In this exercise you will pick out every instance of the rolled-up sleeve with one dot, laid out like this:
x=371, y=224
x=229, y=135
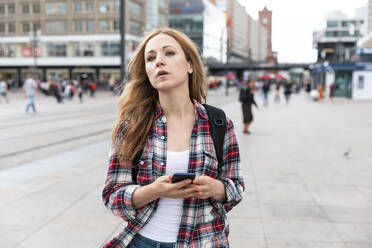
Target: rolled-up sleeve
x=231, y=175
x=119, y=187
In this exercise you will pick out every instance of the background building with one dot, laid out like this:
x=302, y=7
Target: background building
x=265, y=19
x=74, y=37
x=336, y=40
x=204, y=23
x=237, y=23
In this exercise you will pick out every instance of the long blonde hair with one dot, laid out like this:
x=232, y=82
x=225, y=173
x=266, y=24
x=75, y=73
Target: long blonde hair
x=138, y=102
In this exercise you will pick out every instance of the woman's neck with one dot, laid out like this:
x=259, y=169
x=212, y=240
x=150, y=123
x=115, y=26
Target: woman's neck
x=176, y=104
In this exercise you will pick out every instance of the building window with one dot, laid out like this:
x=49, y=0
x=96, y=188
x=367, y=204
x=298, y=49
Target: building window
x=105, y=25
x=2, y=28
x=116, y=7
x=78, y=7
x=88, y=50
x=110, y=49
x=104, y=7
x=56, y=8
x=25, y=8
x=7, y=50
x=36, y=26
x=26, y=27
x=116, y=25
x=78, y=26
x=135, y=8
x=56, y=27
x=11, y=9
x=2, y=9
x=89, y=26
x=89, y=6
x=135, y=28
x=12, y=28
x=36, y=8
x=56, y=50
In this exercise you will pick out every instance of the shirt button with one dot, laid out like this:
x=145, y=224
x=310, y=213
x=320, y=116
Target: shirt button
x=164, y=119
x=162, y=163
x=162, y=137
x=141, y=162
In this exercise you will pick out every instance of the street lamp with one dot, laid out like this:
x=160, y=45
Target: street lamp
x=122, y=40
x=34, y=39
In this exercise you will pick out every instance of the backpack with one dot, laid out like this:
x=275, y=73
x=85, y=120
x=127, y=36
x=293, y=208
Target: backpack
x=217, y=124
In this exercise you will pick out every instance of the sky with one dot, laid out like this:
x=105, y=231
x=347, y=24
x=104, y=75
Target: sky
x=294, y=21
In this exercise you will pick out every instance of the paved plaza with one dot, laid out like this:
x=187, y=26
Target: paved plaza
x=307, y=168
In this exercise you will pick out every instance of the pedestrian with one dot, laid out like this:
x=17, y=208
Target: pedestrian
x=93, y=88
x=162, y=119
x=321, y=92
x=332, y=91
x=246, y=97
x=3, y=90
x=67, y=91
x=56, y=90
x=287, y=91
x=277, y=92
x=29, y=88
x=265, y=91
x=80, y=93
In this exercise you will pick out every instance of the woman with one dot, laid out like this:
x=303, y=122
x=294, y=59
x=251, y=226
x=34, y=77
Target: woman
x=247, y=99
x=160, y=112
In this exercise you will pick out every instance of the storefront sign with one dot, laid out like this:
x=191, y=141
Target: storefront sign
x=31, y=51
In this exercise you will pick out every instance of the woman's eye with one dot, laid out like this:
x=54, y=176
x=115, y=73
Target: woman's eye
x=151, y=58
x=170, y=53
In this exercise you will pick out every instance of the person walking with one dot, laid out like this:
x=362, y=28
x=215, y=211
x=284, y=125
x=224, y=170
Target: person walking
x=246, y=97
x=265, y=91
x=29, y=88
x=277, y=92
x=162, y=122
x=287, y=91
x=80, y=93
x=332, y=91
x=56, y=91
x=3, y=90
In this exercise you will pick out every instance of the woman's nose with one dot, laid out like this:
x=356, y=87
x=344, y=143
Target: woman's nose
x=159, y=60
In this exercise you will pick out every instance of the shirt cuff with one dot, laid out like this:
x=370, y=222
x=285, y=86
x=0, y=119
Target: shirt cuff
x=127, y=206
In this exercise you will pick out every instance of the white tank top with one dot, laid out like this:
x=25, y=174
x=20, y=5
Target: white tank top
x=164, y=224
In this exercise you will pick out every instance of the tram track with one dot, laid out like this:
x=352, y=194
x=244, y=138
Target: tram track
x=52, y=144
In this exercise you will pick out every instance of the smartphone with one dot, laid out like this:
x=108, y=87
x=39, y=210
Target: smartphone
x=182, y=176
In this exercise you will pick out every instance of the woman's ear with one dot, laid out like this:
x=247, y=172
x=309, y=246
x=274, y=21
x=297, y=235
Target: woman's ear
x=189, y=68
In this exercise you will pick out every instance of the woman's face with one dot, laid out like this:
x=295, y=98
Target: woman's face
x=165, y=62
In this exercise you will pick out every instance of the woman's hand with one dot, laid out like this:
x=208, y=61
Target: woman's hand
x=163, y=187
x=206, y=187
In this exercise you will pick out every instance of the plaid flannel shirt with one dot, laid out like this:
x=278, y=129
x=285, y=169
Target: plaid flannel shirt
x=204, y=222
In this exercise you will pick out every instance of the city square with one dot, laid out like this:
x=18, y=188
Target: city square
x=302, y=190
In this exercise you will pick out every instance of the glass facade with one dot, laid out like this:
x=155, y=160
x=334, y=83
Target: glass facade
x=204, y=23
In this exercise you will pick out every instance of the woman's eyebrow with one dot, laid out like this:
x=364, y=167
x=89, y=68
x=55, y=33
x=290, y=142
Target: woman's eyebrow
x=152, y=51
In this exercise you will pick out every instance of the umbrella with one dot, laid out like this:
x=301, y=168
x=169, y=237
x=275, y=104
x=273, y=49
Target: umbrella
x=280, y=77
x=267, y=76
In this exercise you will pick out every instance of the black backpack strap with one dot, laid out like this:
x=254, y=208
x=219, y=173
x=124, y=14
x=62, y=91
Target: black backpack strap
x=135, y=165
x=217, y=123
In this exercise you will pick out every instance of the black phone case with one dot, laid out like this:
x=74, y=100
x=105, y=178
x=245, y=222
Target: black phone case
x=182, y=176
